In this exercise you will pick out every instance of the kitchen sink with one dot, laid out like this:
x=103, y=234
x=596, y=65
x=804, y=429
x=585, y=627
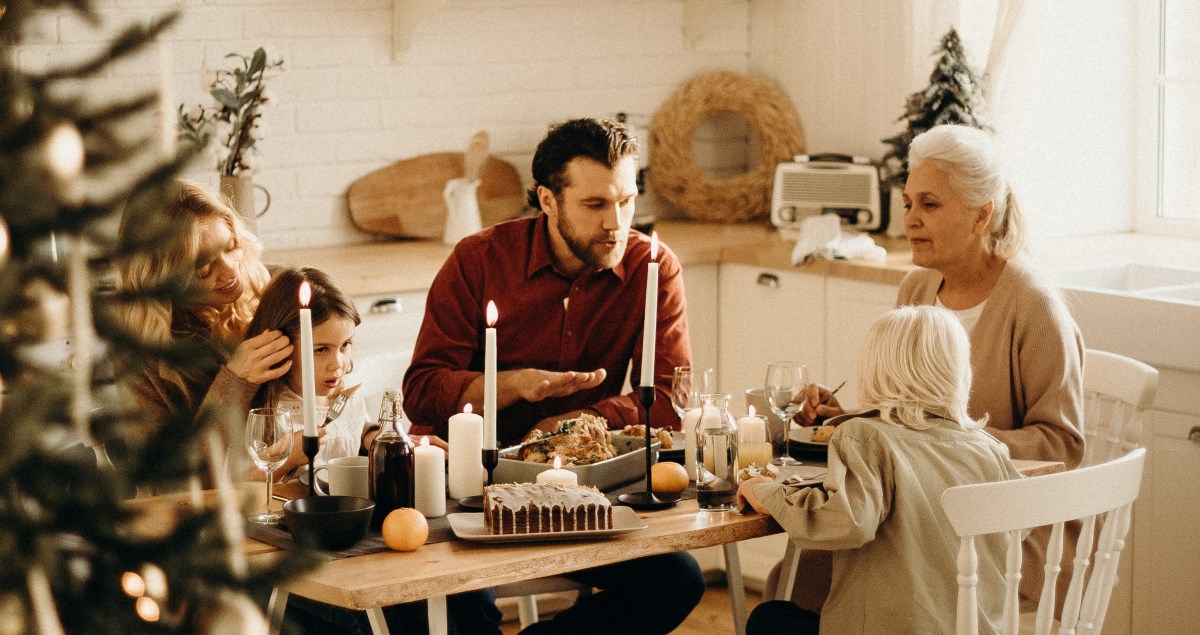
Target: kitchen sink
x=1126, y=278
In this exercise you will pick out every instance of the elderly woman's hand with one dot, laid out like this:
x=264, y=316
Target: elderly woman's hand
x=746, y=498
x=261, y=358
x=819, y=404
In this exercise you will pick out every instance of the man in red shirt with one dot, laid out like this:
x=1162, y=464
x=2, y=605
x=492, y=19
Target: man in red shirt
x=569, y=286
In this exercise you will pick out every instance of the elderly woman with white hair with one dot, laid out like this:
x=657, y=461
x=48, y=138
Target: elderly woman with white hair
x=879, y=510
x=966, y=232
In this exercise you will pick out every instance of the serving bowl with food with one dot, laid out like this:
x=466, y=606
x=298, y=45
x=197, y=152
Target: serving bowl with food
x=599, y=457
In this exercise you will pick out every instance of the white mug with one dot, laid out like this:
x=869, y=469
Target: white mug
x=347, y=476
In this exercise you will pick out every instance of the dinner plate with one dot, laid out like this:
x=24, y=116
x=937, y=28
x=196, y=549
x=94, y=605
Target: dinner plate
x=470, y=527
x=802, y=437
x=675, y=453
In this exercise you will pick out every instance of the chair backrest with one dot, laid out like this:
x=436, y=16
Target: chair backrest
x=1010, y=507
x=1116, y=390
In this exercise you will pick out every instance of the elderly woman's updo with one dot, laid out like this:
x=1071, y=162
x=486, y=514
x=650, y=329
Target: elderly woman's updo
x=971, y=161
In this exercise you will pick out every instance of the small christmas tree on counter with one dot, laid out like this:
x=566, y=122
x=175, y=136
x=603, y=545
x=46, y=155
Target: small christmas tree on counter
x=75, y=555
x=954, y=96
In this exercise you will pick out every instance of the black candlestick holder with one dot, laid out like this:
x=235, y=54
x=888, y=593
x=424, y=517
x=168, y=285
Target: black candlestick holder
x=490, y=458
x=647, y=499
x=311, y=445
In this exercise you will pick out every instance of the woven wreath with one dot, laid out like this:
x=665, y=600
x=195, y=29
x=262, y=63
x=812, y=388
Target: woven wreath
x=683, y=182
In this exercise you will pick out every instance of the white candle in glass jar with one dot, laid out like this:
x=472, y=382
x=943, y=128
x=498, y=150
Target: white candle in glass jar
x=558, y=475
x=752, y=428
x=430, y=487
x=689, y=421
x=466, y=446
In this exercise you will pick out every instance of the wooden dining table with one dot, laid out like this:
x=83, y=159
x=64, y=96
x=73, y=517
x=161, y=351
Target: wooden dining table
x=434, y=571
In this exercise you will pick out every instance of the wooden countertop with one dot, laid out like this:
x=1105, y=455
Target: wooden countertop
x=410, y=265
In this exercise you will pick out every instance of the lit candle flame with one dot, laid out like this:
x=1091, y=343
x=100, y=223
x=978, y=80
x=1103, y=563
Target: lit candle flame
x=751, y=411
x=65, y=146
x=492, y=314
x=467, y=409
x=558, y=462
x=305, y=293
x=653, y=245
x=147, y=609
x=424, y=442
x=133, y=584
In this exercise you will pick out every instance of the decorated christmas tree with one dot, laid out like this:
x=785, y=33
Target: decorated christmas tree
x=954, y=95
x=76, y=555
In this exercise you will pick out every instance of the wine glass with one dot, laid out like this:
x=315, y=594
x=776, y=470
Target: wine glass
x=687, y=386
x=786, y=383
x=269, y=440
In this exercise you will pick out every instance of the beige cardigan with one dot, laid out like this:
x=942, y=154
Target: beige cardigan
x=1027, y=360
x=881, y=512
x=1027, y=357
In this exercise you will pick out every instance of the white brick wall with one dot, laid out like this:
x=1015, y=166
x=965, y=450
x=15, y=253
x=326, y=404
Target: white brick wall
x=345, y=107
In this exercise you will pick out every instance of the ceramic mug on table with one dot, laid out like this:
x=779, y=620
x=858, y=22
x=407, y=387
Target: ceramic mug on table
x=346, y=475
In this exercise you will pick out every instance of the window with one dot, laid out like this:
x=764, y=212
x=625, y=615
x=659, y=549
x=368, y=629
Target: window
x=1174, y=173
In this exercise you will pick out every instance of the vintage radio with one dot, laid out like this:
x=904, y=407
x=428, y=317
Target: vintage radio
x=828, y=184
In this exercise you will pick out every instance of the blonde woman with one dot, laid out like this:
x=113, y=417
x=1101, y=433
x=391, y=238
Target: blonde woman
x=878, y=510
x=217, y=259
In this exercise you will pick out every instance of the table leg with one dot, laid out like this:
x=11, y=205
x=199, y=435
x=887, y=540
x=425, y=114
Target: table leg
x=737, y=591
x=438, y=622
x=787, y=572
x=378, y=623
x=275, y=607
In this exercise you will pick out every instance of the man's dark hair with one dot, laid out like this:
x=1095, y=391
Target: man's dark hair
x=602, y=140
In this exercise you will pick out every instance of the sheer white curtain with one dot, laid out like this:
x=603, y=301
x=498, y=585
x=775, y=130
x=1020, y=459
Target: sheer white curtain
x=1008, y=14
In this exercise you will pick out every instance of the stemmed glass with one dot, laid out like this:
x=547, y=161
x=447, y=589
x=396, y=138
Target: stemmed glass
x=269, y=440
x=786, y=382
x=687, y=386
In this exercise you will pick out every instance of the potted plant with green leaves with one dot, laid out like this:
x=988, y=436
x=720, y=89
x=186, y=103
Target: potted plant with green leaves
x=233, y=125
x=954, y=96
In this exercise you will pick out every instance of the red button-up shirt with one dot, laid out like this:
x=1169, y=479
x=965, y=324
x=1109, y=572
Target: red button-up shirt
x=546, y=321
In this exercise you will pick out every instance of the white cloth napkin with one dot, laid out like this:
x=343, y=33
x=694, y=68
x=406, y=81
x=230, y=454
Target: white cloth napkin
x=821, y=237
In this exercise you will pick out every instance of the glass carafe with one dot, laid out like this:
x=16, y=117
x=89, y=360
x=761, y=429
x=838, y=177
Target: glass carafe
x=716, y=454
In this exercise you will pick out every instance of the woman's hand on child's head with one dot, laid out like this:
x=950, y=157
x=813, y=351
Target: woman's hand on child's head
x=261, y=358
x=819, y=405
x=747, y=499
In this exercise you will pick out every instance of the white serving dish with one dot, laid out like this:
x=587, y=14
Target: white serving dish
x=629, y=465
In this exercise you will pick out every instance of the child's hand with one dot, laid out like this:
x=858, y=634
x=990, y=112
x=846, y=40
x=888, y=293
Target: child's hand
x=747, y=499
x=261, y=358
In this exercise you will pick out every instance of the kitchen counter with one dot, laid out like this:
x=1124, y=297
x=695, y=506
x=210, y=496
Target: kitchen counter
x=410, y=265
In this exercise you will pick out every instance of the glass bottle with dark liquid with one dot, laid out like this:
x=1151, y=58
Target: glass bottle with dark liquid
x=392, y=461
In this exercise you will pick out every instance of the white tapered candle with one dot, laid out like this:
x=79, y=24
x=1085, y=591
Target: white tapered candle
x=489, y=378
x=307, y=370
x=650, y=321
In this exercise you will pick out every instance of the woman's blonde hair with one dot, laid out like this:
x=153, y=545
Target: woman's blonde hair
x=971, y=161
x=916, y=362
x=155, y=267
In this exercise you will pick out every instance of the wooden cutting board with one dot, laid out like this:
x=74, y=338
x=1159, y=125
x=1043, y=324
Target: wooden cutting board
x=405, y=198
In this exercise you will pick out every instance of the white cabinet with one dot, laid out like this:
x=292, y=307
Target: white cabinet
x=700, y=287
x=767, y=315
x=851, y=307
x=1166, y=545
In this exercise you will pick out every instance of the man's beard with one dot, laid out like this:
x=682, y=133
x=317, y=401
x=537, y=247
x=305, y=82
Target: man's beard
x=585, y=249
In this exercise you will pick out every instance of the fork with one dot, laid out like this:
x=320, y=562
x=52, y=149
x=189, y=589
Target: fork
x=338, y=404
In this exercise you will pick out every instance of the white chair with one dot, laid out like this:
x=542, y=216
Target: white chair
x=1011, y=507
x=1116, y=391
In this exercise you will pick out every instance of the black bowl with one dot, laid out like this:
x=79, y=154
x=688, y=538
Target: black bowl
x=329, y=522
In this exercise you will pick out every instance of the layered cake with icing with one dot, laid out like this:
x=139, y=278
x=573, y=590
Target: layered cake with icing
x=535, y=508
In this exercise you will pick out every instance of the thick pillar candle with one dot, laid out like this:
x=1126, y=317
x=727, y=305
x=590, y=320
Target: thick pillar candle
x=753, y=446
x=466, y=443
x=307, y=371
x=489, y=378
x=430, y=492
x=558, y=475
x=691, y=419
x=650, y=321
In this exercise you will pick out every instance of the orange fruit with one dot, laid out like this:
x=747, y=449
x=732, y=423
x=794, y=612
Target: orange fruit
x=668, y=478
x=405, y=529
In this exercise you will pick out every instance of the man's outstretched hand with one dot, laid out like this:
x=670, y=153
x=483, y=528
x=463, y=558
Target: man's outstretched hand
x=535, y=385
